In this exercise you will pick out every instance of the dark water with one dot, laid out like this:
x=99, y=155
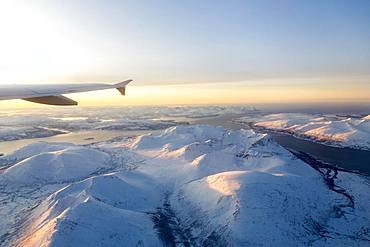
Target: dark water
x=347, y=158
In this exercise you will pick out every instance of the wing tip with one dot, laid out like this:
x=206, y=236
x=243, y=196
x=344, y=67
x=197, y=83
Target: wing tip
x=123, y=83
x=121, y=87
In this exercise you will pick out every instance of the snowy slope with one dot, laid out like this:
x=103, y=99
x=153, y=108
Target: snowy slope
x=108, y=210
x=63, y=164
x=330, y=129
x=191, y=186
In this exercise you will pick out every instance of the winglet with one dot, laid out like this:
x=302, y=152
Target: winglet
x=121, y=87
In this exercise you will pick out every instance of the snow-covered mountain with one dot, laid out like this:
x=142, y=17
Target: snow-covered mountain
x=59, y=163
x=330, y=129
x=186, y=186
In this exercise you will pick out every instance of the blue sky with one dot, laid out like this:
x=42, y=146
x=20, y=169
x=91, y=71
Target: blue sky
x=228, y=40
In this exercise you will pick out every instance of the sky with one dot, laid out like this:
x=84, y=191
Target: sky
x=191, y=52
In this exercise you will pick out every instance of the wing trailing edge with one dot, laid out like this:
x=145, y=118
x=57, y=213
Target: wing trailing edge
x=59, y=100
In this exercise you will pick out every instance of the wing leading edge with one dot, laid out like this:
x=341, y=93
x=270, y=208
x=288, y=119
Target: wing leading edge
x=52, y=94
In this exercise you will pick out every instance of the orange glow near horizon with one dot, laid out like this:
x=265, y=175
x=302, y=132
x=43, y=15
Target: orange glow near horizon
x=210, y=93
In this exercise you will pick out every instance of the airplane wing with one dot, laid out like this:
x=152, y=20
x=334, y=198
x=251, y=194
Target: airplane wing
x=52, y=94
